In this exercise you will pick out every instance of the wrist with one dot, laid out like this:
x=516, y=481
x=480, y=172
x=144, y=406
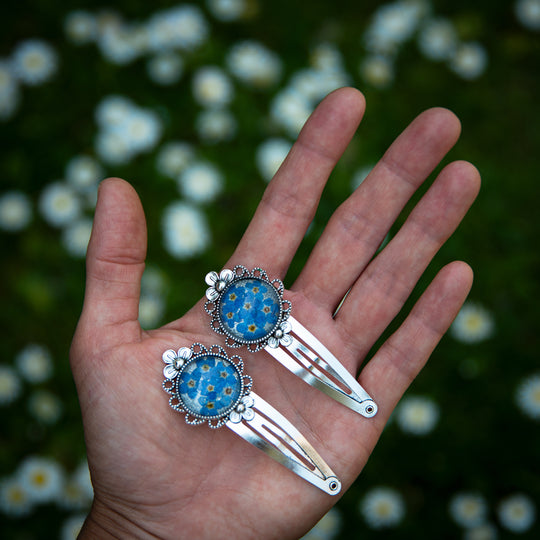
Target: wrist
x=104, y=523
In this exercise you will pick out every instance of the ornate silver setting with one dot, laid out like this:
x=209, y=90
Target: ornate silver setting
x=249, y=416
x=218, y=286
x=289, y=342
x=177, y=362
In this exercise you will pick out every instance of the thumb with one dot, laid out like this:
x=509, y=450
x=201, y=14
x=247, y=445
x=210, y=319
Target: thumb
x=114, y=266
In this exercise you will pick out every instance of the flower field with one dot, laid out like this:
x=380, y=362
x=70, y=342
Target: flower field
x=197, y=104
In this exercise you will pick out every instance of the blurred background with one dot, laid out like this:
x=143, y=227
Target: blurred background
x=196, y=104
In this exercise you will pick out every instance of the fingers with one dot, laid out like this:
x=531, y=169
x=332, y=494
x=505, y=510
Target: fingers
x=114, y=266
x=404, y=354
x=290, y=201
x=385, y=285
x=360, y=224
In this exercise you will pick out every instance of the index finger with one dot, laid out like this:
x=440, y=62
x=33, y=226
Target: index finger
x=291, y=199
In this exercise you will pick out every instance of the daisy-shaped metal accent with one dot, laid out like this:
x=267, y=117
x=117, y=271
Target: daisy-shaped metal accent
x=205, y=384
x=247, y=308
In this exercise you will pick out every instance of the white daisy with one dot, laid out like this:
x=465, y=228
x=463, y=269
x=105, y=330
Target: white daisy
x=438, y=39
x=113, y=147
x=469, y=60
x=528, y=396
x=151, y=309
x=473, y=324
x=528, y=13
x=468, y=509
x=327, y=528
x=517, y=513
x=417, y=415
x=382, y=507
x=173, y=157
x=34, y=62
x=10, y=385
x=45, y=407
x=378, y=71
x=201, y=182
x=290, y=110
x=141, y=129
x=326, y=57
x=15, y=211
x=71, y=528
x=182, y=27
x=14, y=499
x=212, y=87
x=360, y=175
x=165, y=68
x=392, y=25
x=486, y=531
x=185, y=230
x=227, y=10
x=82, y=477
x=113, y=110
x=254, y=64
x=270, y=155
x=84, y=173
x=215, y=125
x=122, y=44
x=42, y=478
x=59, y=204
x=75, y=237
x=34, y=363
x=80, y=27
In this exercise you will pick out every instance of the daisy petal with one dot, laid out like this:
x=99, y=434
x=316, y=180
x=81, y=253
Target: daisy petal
x=286, y=327
x=169, y=371
x=226, y=275
x=185, y=353
x=169, y=356
x=212, y=294
x=211, y=278
x=286, y=340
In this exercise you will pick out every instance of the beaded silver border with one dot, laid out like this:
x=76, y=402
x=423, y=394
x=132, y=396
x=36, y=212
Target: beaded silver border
x=175, y=401
x=212, y=306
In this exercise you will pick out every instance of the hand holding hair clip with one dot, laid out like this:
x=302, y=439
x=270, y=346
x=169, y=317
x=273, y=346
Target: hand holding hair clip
x=249, y=309
x=210, y=387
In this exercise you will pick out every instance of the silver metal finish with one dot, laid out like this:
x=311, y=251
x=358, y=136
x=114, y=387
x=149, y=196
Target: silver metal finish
x=248, y=415
x=316, y=365
x=272, y=433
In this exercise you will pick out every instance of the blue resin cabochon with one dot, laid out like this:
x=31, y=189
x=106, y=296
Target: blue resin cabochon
x=249, y=309
x=209, y=386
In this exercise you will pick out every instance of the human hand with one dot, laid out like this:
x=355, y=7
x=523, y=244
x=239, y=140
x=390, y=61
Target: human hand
x=155, y=476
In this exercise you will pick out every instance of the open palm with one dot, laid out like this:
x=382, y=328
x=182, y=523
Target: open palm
x=155, y=476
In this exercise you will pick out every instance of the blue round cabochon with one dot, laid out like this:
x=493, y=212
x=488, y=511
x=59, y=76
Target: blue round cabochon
x=209, y=386
x=249, y=309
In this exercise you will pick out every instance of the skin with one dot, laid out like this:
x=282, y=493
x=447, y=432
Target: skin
x=156, y=477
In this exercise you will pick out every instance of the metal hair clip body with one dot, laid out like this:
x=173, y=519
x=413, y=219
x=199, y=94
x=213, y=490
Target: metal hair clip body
x=249, y=309
x=209, y=387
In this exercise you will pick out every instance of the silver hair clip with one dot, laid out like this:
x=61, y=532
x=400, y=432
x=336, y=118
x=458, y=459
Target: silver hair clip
x=210, y=387
x=249, y=309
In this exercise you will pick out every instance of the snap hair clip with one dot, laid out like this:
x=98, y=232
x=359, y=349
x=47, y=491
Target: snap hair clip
x=249, y=309
x=211, y=387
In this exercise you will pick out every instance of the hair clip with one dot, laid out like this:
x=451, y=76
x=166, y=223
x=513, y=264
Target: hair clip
x=249, y=309
x=209, y=387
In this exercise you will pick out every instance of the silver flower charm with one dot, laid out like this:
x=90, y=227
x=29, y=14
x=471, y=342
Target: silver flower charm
x=175, y=361
x=281, y=336
x=243, y=410
x=217, y=283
